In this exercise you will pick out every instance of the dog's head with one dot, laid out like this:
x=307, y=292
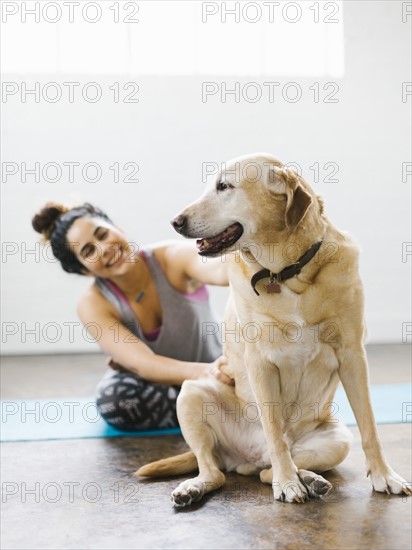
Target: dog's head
x=251, y=197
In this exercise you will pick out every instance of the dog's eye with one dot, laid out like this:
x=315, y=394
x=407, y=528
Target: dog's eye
x=222, y=186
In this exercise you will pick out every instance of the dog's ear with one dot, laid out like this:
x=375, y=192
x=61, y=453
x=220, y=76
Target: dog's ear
x=286, y=182
x=296, y=211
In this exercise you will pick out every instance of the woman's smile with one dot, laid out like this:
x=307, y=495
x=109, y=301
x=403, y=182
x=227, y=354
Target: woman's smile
x=113, y=262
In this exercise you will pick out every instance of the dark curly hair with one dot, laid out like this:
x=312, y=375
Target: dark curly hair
x=54, y=220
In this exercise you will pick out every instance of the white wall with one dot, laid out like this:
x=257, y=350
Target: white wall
x=171, y=132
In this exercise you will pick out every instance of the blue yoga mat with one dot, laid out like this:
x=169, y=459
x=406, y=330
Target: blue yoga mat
x=46, y=419
x=71, y=418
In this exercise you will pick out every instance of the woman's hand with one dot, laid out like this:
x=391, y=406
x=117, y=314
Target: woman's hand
x=214, y=370
x=207, y=370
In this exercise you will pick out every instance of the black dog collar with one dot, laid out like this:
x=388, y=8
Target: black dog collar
x=286, y=273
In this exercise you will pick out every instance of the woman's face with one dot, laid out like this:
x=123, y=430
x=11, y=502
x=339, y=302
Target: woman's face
x=101, y=247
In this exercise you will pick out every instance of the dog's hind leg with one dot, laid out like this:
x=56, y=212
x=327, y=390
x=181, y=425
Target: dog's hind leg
x=195, y=406
x=323, y=448
x=315, y=452
x=319, y=451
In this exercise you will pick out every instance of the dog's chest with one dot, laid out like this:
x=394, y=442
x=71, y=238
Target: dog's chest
x=283, y=333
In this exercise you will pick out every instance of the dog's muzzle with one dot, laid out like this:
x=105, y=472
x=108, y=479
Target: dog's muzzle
x=213, y=245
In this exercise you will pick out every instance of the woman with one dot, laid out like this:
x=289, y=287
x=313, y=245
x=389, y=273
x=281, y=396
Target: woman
x=149, y=307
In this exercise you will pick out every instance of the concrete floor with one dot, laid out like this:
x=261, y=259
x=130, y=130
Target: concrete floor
x=82, y=494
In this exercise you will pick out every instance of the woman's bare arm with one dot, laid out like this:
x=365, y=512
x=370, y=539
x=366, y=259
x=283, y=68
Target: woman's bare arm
x=185, y=257
x=130, y=352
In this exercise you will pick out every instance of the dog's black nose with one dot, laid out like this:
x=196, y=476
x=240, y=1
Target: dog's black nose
x=178, y=223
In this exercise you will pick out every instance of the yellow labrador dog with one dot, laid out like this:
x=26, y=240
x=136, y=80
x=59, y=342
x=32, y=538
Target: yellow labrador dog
x=294, y=326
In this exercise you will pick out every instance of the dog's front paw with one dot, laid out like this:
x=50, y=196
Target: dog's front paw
x=187, y=493
x=390, y=482
x=290, y=490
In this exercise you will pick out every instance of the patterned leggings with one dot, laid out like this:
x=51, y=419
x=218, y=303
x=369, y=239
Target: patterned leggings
x=128, y=402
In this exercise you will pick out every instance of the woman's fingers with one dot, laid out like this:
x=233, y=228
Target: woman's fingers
x=219, y=374
x=224, y=378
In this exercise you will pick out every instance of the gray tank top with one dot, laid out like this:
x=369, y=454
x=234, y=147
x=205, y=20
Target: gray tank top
x=189, y=331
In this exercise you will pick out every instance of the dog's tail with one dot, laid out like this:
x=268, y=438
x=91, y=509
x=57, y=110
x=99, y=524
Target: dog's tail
x=175, y=465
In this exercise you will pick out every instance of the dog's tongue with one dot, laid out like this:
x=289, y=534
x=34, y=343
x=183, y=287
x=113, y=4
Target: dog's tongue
x=211, y=242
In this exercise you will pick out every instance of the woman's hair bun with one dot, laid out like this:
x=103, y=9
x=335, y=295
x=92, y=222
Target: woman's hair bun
x=44, y=221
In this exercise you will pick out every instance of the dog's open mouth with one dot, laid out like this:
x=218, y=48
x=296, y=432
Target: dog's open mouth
x=218, y=243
